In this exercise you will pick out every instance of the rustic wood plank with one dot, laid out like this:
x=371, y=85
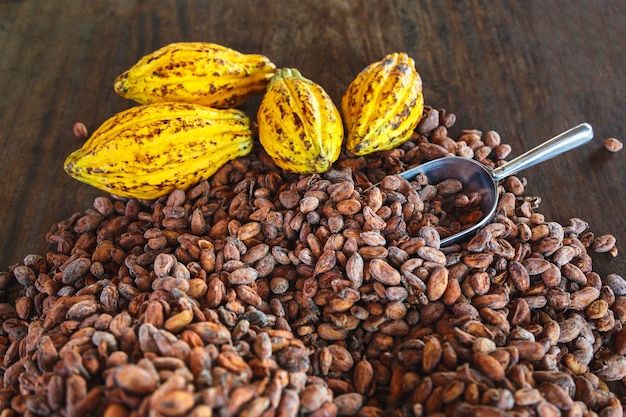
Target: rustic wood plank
x=525, y=69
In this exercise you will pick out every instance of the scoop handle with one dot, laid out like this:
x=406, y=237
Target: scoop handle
x=559, y=144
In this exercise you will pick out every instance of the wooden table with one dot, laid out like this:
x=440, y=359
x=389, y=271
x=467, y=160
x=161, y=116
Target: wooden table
x=528, y=70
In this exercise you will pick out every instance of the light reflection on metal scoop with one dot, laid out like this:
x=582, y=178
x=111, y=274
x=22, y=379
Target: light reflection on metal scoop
x=478, y=178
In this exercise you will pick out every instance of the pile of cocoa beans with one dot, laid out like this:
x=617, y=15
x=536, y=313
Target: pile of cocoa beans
x=262, y=293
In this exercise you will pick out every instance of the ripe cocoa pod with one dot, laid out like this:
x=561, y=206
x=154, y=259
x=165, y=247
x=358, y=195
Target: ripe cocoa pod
x=299, y=126
x=148, y=151
x=196, y=72
x=383, y=105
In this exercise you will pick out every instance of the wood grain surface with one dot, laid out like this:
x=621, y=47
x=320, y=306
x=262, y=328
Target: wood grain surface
x=527, y=69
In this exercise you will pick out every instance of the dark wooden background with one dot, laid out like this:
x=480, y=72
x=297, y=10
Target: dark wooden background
x=527, y=69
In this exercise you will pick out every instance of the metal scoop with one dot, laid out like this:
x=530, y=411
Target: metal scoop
x=478, y=178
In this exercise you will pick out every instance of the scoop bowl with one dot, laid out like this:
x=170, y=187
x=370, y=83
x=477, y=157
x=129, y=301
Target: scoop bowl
x=478, y=178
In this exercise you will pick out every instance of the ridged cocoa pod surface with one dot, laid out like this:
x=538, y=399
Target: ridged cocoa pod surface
x=383, y=105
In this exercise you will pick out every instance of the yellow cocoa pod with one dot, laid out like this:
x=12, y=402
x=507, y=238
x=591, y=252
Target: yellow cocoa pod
x=299, y=126
x=196, y=72
x=148, y=151
x=383, y=105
